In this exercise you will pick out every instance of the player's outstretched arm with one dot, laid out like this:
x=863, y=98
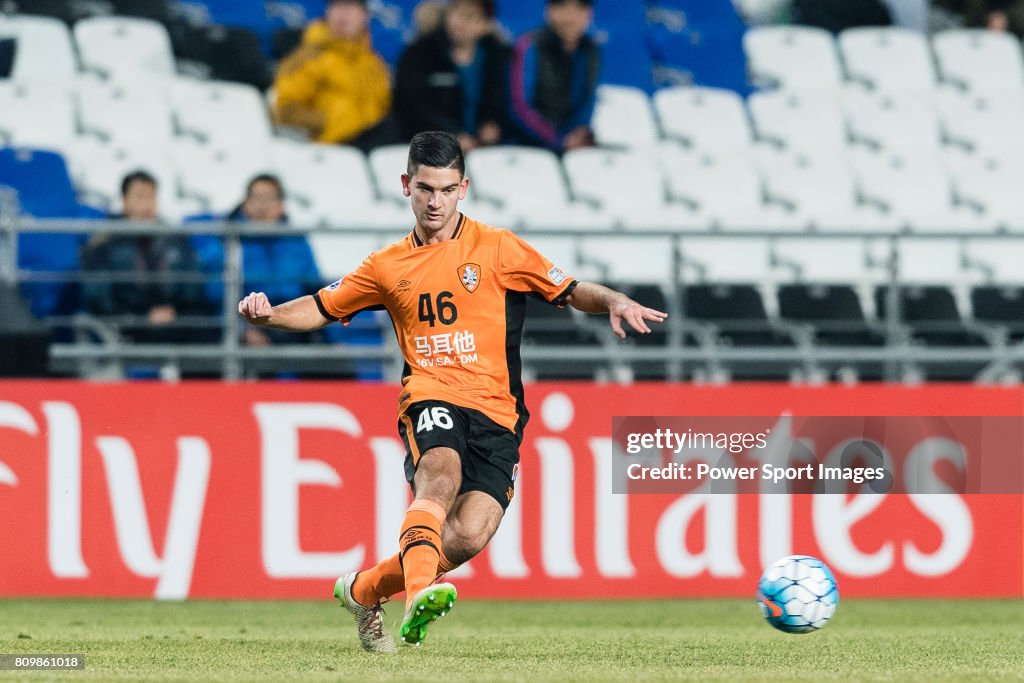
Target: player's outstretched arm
x=591, y=297
x=297, y=315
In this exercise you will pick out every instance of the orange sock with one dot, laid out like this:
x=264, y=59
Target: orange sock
x=420, y=545
x=444, y=565
x=379, y=582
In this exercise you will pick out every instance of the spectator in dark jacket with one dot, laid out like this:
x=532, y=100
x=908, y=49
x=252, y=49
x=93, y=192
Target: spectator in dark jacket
x=455, y=78
x=554, y=78
x=8, y=49
x=838, y=15
x=994, y=15
x=153, y=267
x=282, y=264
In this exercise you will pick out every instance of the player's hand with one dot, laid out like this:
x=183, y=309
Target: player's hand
x=256, y=308
x=579, y=137
x=634, y=314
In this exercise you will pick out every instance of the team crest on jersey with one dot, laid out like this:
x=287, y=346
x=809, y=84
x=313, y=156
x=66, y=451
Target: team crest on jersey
x=469, y=276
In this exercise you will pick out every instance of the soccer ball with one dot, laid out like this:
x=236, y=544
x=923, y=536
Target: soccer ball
x=798, y=594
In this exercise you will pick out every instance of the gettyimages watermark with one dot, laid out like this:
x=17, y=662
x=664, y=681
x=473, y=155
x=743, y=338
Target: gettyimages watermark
x=814, y=454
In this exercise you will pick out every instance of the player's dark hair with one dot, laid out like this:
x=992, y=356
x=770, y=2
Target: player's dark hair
x=266, y=178
x=585, y=3
x=435, y=149
x=139, y=176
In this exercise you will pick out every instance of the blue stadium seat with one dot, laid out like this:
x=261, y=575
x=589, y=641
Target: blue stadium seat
x=391, y=23
x=626, y=55
x=41, y=180
x=698, y=42
x=388, y=40
x=521, y=16
x=232, y=12
x=620, y=28
x=236, y=13
x=44, y=190
x=700, y=13
x=296, y=13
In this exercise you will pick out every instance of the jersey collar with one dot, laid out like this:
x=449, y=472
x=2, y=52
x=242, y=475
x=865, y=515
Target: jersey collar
x=417, y=242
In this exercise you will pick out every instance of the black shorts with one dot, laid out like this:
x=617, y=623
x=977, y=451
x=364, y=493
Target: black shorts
x=489, y=452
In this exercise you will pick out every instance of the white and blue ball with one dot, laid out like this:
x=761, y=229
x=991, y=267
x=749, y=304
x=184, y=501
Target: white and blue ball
x=798, y=594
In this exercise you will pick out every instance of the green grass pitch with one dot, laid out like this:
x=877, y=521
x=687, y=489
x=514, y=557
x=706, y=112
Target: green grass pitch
x=630, y=640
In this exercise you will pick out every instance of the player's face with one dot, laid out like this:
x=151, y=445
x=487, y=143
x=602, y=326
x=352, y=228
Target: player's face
x=435, y=194
x=570, y=20
x=140, y=201
x=346, y=20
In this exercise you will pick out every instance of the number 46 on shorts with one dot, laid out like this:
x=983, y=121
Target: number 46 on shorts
x=437, y=416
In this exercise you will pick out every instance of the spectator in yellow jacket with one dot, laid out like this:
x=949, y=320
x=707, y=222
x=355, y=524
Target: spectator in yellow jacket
x=334, y=85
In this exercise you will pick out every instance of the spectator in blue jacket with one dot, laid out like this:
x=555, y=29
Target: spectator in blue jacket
x=279, y=264
x=134, y=260
x=554, y=78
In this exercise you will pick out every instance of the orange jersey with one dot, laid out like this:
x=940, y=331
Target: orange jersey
x=458, y=309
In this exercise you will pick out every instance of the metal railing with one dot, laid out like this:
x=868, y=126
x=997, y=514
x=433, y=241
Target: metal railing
x=692, y=349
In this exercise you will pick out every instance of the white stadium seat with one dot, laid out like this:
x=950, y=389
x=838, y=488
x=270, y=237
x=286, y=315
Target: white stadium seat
x=726, y=190
x=838, y=260
x=793, y=57
x=221, y=113
x=338, y=255
x=893, y=122
x=122, y=113
x=388, y=163
x=561, y=250
x=986, y=124
x=333, y=183
x=629, y=259
x=217, y=178
x=628, y=187
x=123, y=48
x=623, y=117
x=810, y=122
x=932, y=262
x=99, y=168
x=704, y=119
x=37, y=115
x=727, y=260
x=44, y=49
x=482, y=210
x=980, y=60
x=915, y=192
x=528, y=183
x=888, y=59
x=996, y=261
x=993, y=186
x=821, y=192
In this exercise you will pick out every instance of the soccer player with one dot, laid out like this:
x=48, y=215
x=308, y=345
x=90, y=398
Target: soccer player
x=456, y=292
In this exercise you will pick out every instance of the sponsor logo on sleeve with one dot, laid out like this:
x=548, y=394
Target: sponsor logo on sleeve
x=556, y=275
x=333, y=286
